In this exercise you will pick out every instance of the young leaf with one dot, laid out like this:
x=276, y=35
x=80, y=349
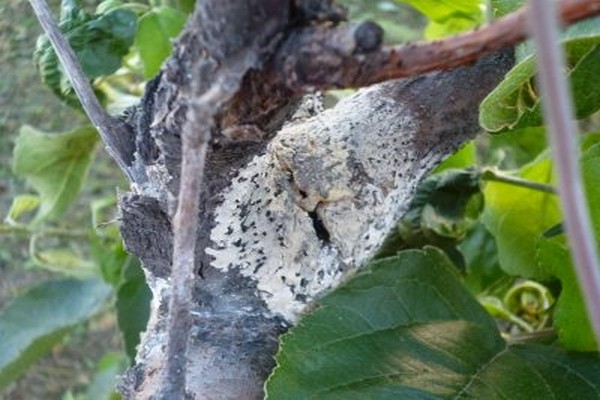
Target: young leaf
x=35, y=321
x=56, y=165
x=153, y=39
x=407, y=329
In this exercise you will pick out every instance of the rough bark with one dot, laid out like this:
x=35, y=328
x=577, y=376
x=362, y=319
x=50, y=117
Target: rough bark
x=283, y=220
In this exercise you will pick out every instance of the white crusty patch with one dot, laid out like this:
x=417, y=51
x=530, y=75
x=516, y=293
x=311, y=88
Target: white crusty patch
x=355, y=171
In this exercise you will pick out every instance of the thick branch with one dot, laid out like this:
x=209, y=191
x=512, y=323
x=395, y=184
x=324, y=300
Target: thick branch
x=322, y=57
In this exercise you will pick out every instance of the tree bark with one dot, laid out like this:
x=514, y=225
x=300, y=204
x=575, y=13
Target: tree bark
x=295, y=199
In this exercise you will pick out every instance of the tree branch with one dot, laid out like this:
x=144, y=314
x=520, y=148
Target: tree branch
x=558, y=113
x=322, y=57
x=115, y=135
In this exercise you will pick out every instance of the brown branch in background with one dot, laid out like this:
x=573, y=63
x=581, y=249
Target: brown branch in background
x=321, y=57
x=116, y=137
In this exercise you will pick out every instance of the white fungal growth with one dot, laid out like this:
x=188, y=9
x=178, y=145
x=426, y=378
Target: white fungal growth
x=320, y=201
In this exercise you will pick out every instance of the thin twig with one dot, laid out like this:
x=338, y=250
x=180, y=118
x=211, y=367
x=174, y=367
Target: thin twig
x=558, y=113
x=306, y=63
x=114, y=134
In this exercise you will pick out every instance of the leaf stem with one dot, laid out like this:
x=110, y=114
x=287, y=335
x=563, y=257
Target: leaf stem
x=558, y=113
x=497, y=176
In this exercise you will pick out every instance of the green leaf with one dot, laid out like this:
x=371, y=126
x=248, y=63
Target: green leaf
x=21, y=205
x=448, y=17
x=106, y=377
x=55, y=165
x=133, y=306
x=407, y=329
x=35, y=321
x=518, y=218
x=99, y=41
x=153, y=38
x=515, y=103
